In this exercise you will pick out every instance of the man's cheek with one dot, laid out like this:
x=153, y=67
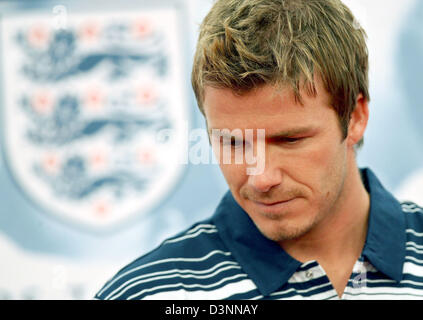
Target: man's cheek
x=235, y=175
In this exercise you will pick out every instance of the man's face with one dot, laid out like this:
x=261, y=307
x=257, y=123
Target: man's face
x=305, y=157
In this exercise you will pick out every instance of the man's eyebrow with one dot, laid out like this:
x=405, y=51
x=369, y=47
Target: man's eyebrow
x=224, y=132
x=290, y=133
x=279, y=135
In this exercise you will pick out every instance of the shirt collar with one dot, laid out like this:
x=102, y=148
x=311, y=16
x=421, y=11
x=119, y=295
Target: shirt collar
x=386, y=238
x=270, y=267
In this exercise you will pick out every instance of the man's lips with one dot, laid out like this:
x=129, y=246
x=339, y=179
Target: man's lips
x=275, y=209
x=269, y=204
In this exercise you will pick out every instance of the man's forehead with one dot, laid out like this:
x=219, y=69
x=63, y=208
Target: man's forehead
x=263, y=101
x=265, y=93
x=305, y=89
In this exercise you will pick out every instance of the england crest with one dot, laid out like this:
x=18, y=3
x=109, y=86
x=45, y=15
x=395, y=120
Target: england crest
x=84, y=103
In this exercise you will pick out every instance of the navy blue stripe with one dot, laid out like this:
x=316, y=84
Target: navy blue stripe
x=181, y=286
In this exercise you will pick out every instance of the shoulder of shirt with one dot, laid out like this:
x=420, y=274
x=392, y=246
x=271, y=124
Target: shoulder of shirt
x=176, y=261
x=413, y=217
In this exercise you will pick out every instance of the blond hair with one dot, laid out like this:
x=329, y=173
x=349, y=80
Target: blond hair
x=244, y=44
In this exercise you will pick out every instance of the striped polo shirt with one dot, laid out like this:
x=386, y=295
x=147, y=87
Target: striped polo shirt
x=226, y=257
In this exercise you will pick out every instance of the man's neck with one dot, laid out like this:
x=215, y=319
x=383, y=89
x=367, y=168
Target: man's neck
x=338, y=240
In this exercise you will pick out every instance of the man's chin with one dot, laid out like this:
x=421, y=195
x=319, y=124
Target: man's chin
x=281, y=236
x=279, y=232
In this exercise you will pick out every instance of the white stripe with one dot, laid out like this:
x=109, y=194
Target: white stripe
x=134, y=282
x=412, y=282
x=218, y=294
x=411, y=204
x=301, y=291
x=415, y=210
x=412, y=269
x=414, y=259
x=380, y=296
x=186, y=285
x=330, y=293
x=413, y=244
x=375, y=280
x=164, y=261
x=374, y=293
x=408, y=203
x=211, y=226
x=415, y=250
x=414, y=232
x=392, y=281
x=181, y=271
x=190, y=231
x=411, y=208
x=307, y=263
x=192, y=235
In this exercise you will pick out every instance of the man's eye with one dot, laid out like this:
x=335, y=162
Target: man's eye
x=291, y=140
x=236, y=143
x=233, y=142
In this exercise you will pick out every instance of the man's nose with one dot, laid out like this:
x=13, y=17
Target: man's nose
x=269, y=178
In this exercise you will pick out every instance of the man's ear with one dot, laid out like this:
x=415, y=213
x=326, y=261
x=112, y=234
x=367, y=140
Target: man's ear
x=358, y=121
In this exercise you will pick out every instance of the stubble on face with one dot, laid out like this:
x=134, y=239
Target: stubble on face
x=295, y=224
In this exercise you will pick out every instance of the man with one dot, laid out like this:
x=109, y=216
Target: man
x=311, y=224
